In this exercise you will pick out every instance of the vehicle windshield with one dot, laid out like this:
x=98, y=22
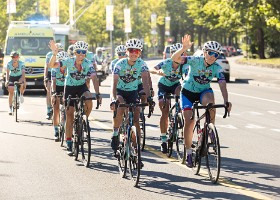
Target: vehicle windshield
x=28, y=46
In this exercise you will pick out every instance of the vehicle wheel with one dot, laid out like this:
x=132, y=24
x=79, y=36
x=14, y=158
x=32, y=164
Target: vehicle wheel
x=227, y=77
x=5, y=91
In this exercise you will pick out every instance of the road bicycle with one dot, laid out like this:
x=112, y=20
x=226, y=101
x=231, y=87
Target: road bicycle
x=205, y=141
x=81, y=135
x=129, y=152
x=15, y=101
x=62, y=118
x=175, y=129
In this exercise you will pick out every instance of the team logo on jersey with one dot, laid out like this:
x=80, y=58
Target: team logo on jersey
x=202, y=79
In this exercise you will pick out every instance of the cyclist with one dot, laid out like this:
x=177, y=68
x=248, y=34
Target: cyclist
x=47, y=78
x=78, y=68
x=171, y=72
x=121, y=52
x=125, y=85
x=196, y=86
x=15, y=72
x=58, y=77
x=70, y=51
x=99, y=57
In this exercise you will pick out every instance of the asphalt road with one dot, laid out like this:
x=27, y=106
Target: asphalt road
x=33, y=166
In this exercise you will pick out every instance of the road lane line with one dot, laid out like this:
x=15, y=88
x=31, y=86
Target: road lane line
x=222, y=181
x=243, y=95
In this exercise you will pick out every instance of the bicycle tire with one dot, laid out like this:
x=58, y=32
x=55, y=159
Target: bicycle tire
x=61, y=135
x=169, y=143
x=85, y=141
x=143, y=132
x=196, y=150
x=213, y=157
x=134, y=167
x=122, y=162
x=16, y=104
x=180, y=144
x=75, y=147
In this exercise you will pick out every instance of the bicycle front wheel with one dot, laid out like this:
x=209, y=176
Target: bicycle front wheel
x=135, y=156
x=16, y=104
x=197, y=143
x=85, y=141
x=213, y=157
x=143, y=130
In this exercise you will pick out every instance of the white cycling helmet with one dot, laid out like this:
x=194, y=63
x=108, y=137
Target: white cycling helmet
x=134, y=44
x=81, y=45
x=120, y=49
x=70, y=50
x=175, y=47
x=63, y=55
x=213, y=46
x=59, y=46
x=98, y=49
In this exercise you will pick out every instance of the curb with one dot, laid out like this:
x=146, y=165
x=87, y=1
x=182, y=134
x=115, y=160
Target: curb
x=255, y=83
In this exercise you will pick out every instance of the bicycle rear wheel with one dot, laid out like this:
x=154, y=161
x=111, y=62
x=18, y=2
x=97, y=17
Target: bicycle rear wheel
x=85, y=141
x=213, y=157
x=62, y=125
x=180, y=144
x=143, y=130
x=135, y=157
x=61, y=134
x=197, y=142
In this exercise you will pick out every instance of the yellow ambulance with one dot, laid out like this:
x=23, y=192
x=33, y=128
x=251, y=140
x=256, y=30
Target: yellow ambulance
x=30, y=39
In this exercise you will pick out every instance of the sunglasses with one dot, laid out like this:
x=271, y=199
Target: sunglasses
x=121, y=54
x=212, y=53
x=15, y=56
x=81, y=51
x=134, y=51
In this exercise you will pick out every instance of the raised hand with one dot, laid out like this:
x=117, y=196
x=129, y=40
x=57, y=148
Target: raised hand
x=186, y=42
x=53, y=47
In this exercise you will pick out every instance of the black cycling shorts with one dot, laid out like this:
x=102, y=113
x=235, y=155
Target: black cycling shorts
x=13, y=79
x=163, y=89
x=74, y=91
x=129, y=96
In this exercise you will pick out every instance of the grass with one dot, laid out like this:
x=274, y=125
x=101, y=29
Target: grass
x=270, y=62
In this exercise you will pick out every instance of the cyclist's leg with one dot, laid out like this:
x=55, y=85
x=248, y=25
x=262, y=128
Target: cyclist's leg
x=55, y=103
x=88, y=104
x=48, y=95
x=117, y=122
x=187, y=100
x=206, y=97
x=11, y=95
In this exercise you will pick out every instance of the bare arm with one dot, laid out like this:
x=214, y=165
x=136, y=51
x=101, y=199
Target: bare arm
x=145, y=80
x=54, y=51
x=95, y=83
x=223, y=88
x=114, y=86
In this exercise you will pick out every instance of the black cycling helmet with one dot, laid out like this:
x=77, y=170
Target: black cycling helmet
x=14, y=53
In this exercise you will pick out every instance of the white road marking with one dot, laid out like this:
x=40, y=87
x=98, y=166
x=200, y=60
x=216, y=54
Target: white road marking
x=254, y=126
x=243, y=95
x=273, y=112
x=277, y=130
x=228, y=126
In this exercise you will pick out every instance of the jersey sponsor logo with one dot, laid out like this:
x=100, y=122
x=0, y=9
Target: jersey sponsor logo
x=203, y=80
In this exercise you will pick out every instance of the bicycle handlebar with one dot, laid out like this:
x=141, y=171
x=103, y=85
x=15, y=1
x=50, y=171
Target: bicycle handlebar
x=127, y=105
x=208, y=107
x=82, y=98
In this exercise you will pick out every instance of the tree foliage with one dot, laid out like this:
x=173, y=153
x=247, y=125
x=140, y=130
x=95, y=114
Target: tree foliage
x=227, y=21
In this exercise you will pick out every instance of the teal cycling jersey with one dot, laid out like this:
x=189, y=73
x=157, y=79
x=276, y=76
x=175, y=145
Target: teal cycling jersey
x=172, y=76
x=48, y=59
x=15, y=71
x=75, y=77
x=200, y=76
x=90, y=56
x=129, y=75
x=58, y=74
x=112, y=65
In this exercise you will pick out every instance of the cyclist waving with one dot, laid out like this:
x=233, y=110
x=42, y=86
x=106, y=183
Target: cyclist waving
x=196, y=86
x=78, y=69
x=125, y=84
